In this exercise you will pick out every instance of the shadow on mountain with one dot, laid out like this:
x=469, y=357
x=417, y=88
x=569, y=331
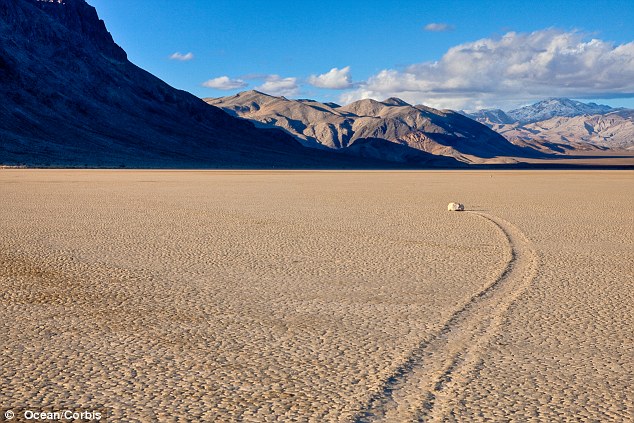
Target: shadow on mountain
x=72, y=99
x=318, y=125
x=377, y=148
x=486, y=145
x=614, y=155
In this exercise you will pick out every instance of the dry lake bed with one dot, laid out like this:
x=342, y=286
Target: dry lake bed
x=318, y=296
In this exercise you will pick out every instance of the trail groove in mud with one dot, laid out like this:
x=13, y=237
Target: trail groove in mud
x=422, y=388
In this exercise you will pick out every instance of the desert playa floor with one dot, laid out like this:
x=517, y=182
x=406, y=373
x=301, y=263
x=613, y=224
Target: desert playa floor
x=319, y=296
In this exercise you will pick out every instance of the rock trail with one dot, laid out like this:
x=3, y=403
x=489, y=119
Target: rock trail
x=427, y=384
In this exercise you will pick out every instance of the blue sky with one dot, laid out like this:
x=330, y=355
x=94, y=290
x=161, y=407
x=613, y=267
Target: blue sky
x=381, y=48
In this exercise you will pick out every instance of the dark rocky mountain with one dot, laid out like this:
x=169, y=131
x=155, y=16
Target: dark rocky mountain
x=419, y=129
x=70, y=97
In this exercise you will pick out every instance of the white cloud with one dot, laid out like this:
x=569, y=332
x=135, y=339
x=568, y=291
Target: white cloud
x=336, y=79
x=438, y=27
x=225, y=83
x=276, y=85
x=182, y=57
x=511, y=70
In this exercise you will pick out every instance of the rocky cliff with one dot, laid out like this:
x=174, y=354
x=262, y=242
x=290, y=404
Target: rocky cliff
x=70, y=97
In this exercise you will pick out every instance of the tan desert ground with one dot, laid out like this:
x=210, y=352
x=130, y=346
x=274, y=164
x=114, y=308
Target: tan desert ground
x=318, y=296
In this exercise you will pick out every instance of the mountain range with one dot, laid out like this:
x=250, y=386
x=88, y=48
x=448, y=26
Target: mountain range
x=557, y=125
x=417, y=129
x=71, y=98
x=556, y=107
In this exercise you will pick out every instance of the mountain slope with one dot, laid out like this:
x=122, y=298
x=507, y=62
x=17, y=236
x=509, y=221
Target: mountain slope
x=314, y=124
x=71, y=98
x=490, y=117
x=418, y=128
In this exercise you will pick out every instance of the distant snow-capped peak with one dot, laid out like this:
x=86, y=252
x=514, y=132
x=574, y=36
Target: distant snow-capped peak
x=552, y=107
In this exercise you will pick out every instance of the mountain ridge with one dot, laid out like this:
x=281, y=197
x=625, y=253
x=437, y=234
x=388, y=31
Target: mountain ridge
x=82, y=18
x=72, y=99
x=560, y=125
x=418, y=127
x=614, y=130
x=556, y=107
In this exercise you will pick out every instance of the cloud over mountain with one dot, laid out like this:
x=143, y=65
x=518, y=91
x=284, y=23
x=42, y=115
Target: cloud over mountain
x=336, y=79
x=276, y=85
x=505, y=71
x=225, y=83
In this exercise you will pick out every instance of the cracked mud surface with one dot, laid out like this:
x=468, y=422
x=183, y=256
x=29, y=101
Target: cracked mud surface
x=318, y=296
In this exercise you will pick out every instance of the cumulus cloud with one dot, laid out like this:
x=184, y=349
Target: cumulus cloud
x=336, y=79
x=225, y=83
x=182, y=57
x=438, y=27
x=276, y=85
x=510, y=70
